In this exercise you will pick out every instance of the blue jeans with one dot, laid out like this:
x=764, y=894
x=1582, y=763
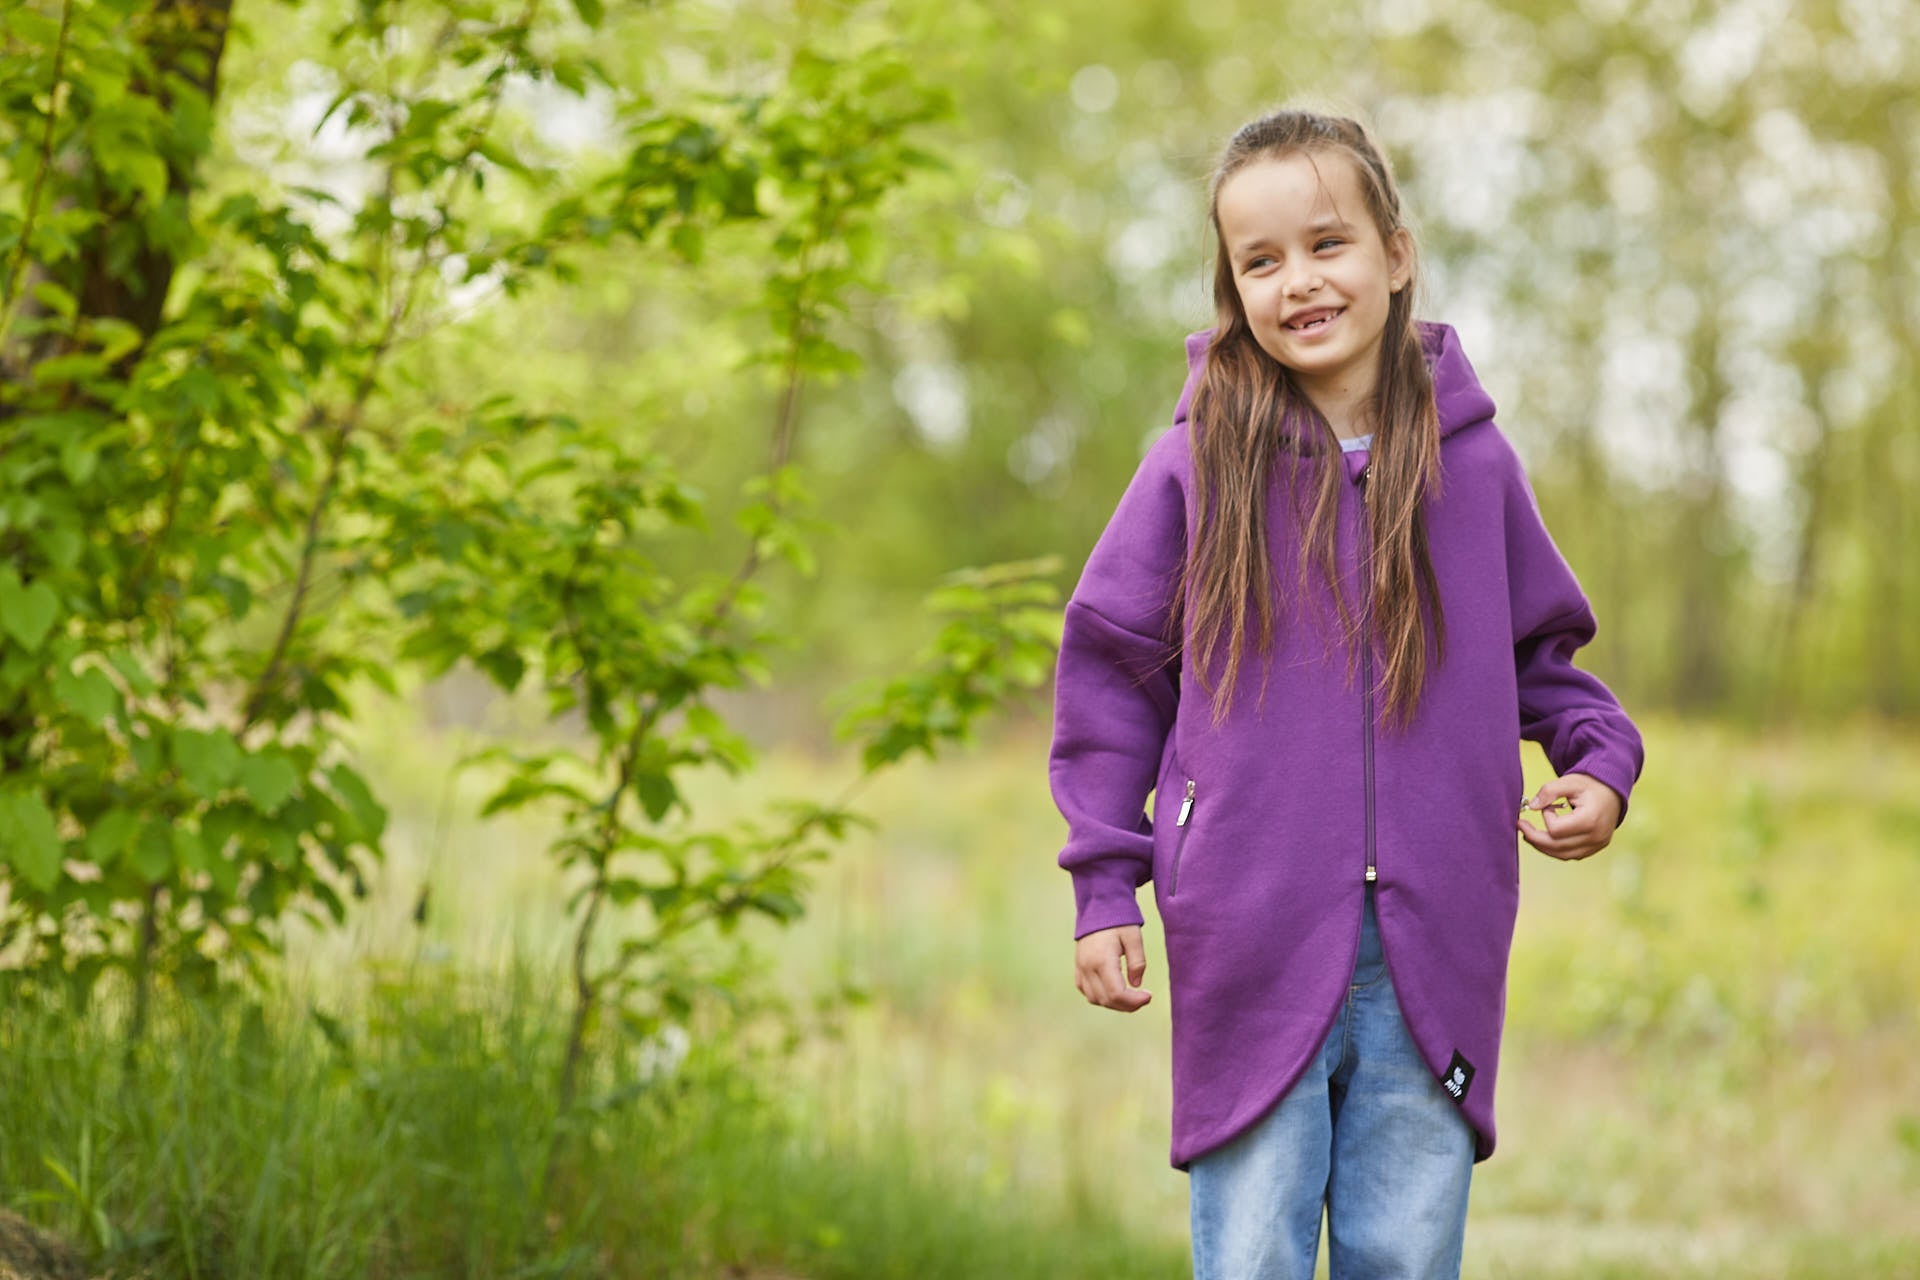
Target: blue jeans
x=1368, y=1133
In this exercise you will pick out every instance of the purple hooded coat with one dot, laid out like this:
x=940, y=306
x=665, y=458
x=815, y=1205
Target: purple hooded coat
x=1265, y=830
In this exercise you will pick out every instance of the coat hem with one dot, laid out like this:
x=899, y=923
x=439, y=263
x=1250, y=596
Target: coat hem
x=1240, y=1123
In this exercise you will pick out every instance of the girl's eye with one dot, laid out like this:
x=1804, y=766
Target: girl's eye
x=1328, y=240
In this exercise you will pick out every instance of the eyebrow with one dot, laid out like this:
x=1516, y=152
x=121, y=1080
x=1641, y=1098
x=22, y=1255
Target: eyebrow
x=1324, y=224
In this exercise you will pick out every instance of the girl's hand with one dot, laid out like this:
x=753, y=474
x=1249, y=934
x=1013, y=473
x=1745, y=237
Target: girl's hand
x=1572, y=833
x=1108, y=964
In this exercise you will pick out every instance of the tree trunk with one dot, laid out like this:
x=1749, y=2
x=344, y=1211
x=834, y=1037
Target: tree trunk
x=1700, y=674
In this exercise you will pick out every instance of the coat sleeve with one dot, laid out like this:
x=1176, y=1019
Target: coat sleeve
x=1116, y=689
x=1572, y=715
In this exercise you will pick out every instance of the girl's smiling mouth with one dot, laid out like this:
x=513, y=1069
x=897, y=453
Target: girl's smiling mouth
x=1316, y=324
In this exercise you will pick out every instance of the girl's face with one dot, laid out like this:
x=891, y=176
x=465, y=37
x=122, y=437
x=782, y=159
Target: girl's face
x=1313, y=275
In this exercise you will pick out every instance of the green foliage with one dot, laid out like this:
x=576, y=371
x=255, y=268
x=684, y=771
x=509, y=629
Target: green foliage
x=1001, y=637
x=535, y=550
x=231, y=493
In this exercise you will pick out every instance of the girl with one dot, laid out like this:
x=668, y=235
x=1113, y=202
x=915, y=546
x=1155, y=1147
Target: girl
x=1333, y=854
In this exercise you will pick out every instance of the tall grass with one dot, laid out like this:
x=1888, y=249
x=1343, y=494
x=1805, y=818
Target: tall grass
x=407, y=1136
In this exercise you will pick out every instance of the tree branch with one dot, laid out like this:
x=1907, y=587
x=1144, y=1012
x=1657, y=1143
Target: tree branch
x=15, y=267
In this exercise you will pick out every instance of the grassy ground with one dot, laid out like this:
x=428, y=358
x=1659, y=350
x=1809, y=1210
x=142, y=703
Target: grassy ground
x=1710, y=1065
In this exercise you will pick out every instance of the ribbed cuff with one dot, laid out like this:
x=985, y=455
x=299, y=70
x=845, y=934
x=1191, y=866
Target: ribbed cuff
x=1103, y=900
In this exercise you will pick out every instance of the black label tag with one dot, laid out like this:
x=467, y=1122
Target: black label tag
x=1459, y=1077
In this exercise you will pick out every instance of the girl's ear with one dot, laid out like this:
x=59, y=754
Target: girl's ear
x=1400, y=258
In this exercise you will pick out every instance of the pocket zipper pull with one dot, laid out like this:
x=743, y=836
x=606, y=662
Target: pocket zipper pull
x=1186, y=806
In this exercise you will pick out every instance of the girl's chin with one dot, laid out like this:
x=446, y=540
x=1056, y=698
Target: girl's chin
x=1298, y=354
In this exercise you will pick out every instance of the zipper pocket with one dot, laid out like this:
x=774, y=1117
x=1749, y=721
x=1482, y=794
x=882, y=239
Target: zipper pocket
x=1180, y=841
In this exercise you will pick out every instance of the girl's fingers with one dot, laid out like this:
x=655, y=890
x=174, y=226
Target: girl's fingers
x=1563, y=841
x=1133, y=959
x=1109, y=967
x=1106, y=981
x=1125, y=997
x=1563, y=825
x=1576, y=845
x=1541, y=839
x=1102, y=981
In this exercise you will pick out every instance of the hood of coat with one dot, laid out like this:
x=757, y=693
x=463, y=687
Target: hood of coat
x=1457, y=391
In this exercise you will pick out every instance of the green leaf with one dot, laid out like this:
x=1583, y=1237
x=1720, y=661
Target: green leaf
x=591, y=12
x=115, y=336
x=504, y=665
x=190, y=852
x=687, y=241
x=62, y=543
x=89, y=695
x=26, y=612
x=781, y=906
x=224, y=873
x=110, y=835
x=78, y=459
x=283, y=848
x=528, y=788
x=29, y=838
x=369, y=816
x=269, y=779
x=208, y=759
x=234, y=591
x=221, y=823
x=56, y=298
x=145, y=750
x=147, y=173
x=657, y=794
x=60, y=370
x=153, y=852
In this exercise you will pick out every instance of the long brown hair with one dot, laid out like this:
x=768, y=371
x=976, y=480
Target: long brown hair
x=1247, y=411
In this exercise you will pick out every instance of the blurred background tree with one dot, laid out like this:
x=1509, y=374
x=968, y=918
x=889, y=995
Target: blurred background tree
x=1677, y=238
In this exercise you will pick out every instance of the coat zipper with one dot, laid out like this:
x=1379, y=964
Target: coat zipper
x=1366, y=657
x=1180, y=842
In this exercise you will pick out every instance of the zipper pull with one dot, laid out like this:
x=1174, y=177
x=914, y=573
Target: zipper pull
x=1370, y=875
x=1186, y=806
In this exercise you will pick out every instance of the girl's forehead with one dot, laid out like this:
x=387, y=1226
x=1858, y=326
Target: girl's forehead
x=1275, y=193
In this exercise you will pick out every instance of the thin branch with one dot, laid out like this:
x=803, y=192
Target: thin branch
x=18, y=264
x=586, y=985
x=255, y=703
